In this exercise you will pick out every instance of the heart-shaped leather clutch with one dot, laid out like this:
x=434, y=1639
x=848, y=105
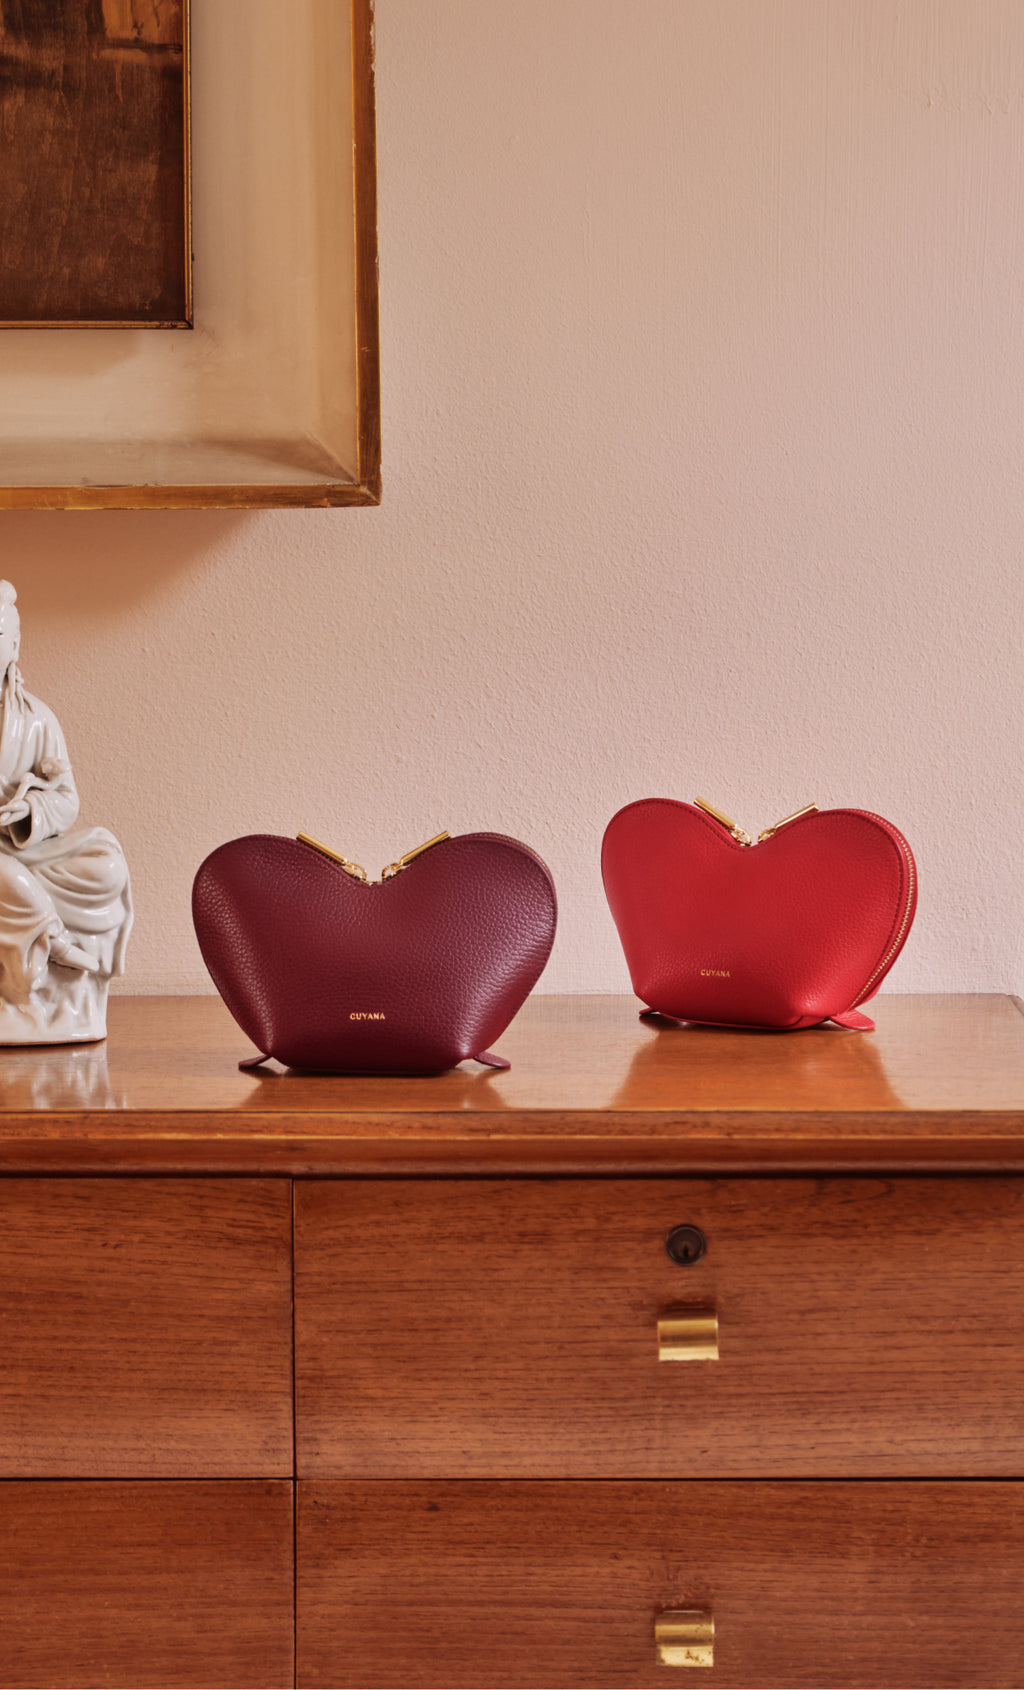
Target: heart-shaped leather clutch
x=794, y=930
x=409, y=975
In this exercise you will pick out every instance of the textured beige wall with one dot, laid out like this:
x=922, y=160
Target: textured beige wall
x=703, y=387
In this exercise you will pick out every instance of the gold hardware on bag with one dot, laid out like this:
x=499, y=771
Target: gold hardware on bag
x=808, y=810
x=688, y=1334
x=738, y=834
x=410, y=856
x=743, y=838
x=357, y=871
x=685, y=1637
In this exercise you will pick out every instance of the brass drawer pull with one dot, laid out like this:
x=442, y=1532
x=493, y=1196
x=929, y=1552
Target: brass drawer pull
x=688, y=1335
x=685, y=1637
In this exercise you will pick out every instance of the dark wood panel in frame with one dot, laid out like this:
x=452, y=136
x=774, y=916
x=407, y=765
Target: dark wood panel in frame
x=94, y=194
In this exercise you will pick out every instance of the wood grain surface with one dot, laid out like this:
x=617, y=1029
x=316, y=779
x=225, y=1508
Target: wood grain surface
x=558, y=1584
x=940, y=1085
x=508, y=1328
x=145, y=1328
x=146, y=1584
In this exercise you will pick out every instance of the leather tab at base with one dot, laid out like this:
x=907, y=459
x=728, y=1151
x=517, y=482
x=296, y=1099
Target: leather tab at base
x=488, y=1058
x=253, y=1062
x=853, y=1019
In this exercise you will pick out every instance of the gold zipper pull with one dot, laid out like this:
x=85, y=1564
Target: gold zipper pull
x=356, y=870
x=808, y=810
x=738, y=834
x=410, y=856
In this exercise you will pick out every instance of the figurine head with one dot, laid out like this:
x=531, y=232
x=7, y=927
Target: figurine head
x=10, y=627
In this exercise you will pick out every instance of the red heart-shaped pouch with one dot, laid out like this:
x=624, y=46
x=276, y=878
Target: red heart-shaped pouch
x=409, y=975
x=794, y=930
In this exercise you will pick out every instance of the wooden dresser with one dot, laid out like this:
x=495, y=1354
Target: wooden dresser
x=379, y=1382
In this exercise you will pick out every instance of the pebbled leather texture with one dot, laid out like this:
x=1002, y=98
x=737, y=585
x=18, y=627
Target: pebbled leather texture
x=784, y=934
x=411, y=976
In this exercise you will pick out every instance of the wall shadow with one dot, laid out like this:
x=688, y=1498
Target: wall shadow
x=88, y=562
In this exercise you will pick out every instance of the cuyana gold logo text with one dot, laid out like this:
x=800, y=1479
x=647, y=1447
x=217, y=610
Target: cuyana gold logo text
x=721, y=973
x=367, y=1015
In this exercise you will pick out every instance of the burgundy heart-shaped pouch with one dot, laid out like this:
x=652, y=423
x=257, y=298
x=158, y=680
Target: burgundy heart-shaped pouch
x=409, y=975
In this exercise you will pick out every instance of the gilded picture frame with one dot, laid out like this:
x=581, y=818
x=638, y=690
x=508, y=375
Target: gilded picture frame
x=272, y=398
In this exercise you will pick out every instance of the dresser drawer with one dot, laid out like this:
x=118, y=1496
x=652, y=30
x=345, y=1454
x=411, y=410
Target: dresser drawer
x=533, y=1584
x=509, y=1328
x=145, y=1328
x=117, y=1583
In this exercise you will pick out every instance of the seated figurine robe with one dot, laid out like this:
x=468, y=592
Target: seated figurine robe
x=65, y=899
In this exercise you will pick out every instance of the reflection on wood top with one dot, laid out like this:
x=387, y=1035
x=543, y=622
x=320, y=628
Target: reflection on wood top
x=940, y=1084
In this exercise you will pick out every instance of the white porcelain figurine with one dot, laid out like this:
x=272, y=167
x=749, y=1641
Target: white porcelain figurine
x=65, y=899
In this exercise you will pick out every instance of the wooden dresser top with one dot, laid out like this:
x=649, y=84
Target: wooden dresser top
x=939, y=1086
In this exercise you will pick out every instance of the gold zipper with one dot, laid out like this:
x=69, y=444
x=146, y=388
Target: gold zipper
x=808, y=810
x=737, y=832
x=743, y=838
x=357, y=871
x=392, y=869
x=897, y=942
